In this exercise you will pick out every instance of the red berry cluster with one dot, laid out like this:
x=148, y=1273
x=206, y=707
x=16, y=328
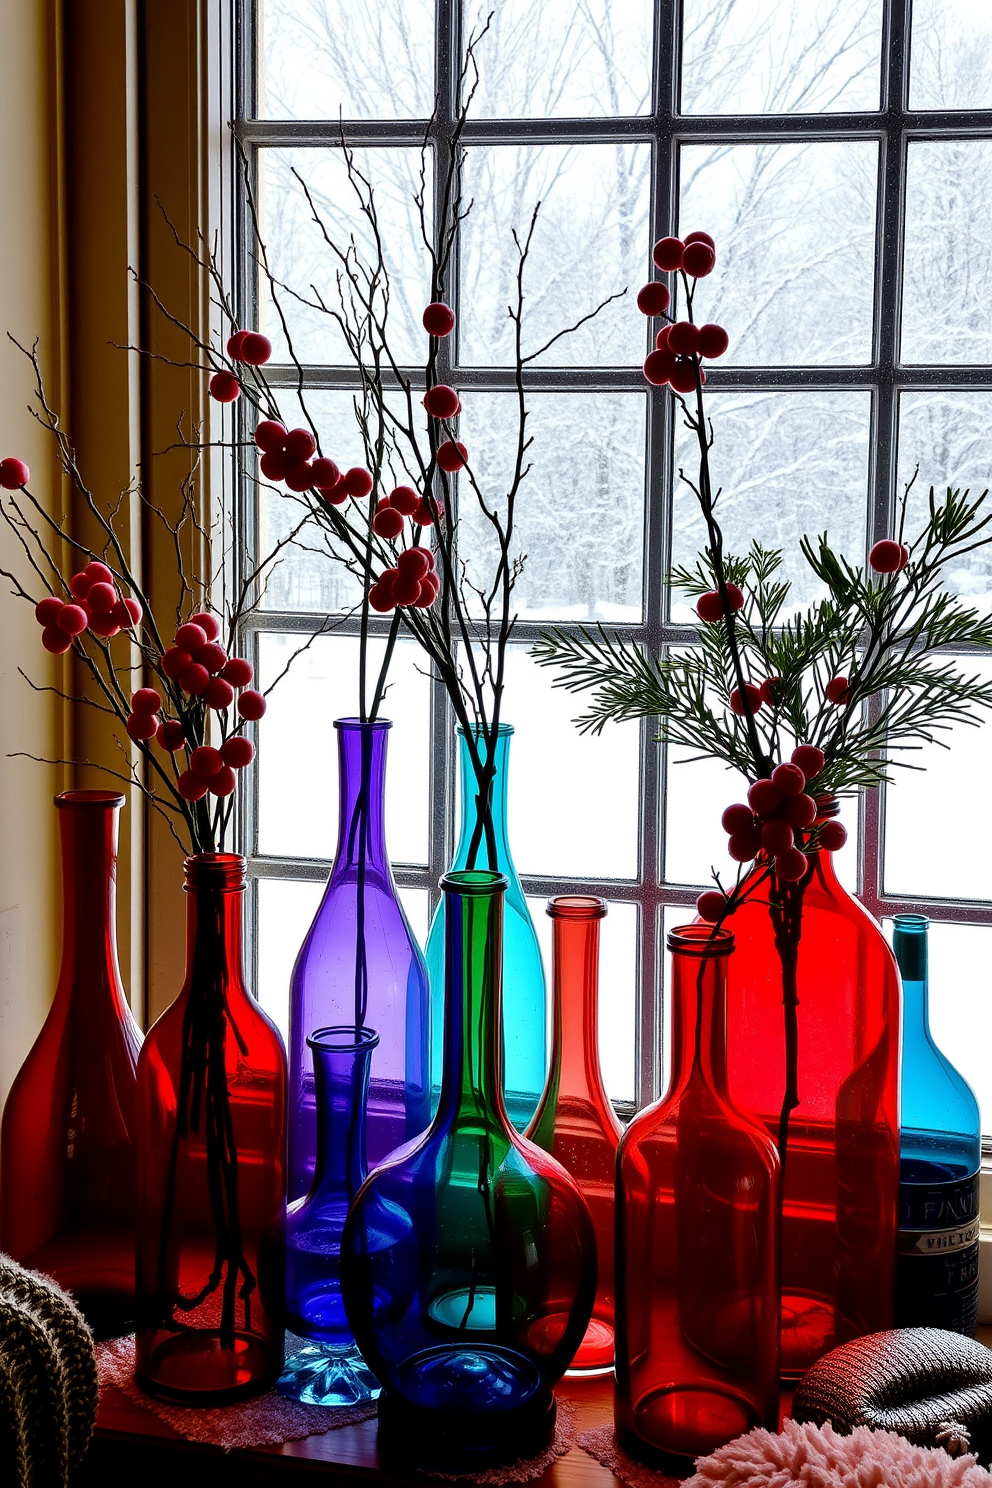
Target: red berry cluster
x=709, y=606
x=888, y=557
x=213, y=769
x=680, y=345
x=288, y=455
x=413, y=582
x=203, y=668
x=243, y=346
x=96, y=605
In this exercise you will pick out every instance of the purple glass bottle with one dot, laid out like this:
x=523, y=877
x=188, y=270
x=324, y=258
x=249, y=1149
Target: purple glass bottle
x=360, y=965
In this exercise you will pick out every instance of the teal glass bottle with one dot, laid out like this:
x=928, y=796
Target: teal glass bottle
x=939, y=1162
x=524, y=996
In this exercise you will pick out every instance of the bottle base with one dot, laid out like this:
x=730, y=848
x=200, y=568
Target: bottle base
x=327, y=1374
x=674, y=1425
x=191, y=1368
x=594, y=1355
x=808, y=1330
x=451, y=1438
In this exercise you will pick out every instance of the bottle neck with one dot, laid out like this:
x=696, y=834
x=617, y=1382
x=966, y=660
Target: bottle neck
x=341, y=1084
x=909, y=946
x=362, y=794
x=574, y=1065
x=471, y=1083
x=475, y=845
x=699, y=1020
x=215, y=884
x=88, y=825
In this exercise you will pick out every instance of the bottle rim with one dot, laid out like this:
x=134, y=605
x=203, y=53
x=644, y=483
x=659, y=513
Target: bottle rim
x=576, y=907
x=223, y=872
x=474, y=882
x=89, y=798
x=342, y=1038
x=700, y=940
x=356, y=724
x=503, y=730
x=916, y=923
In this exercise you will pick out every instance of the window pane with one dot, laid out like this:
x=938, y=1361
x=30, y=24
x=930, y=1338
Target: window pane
x=928, y=849
x=557, y=59
x=357, y=59
x=947, y=298
x=589, y=243
x=789, y=464
x=951, y=59
x=298, y=791
x=795, y=234
x=579, y=514
x=618, y=961
x=300, y=258
x=949, y=436
x=780, y=56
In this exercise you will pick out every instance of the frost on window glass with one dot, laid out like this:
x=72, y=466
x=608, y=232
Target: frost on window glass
x=795, y=233
x=354, y=59
x=591, y=241
x=561, y=58
x=947, y=287
x=780, y=56
x=579, y=514
x=787, y=464
x=951, y=56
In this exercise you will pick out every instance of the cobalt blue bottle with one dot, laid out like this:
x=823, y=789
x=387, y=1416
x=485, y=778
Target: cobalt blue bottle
x=940, y=1158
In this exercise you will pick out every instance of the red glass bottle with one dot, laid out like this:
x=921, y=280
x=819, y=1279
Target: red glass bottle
x=841, y=1168
x=697, y=1239
x=67, y=1143
x=575, y=1121
x=211, y=1167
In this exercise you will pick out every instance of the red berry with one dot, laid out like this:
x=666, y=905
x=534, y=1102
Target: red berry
x=255, y=349
x=104, y=625
x=175, y=661
x=191, y=637
x=791, y=865
x=224, y=387
x=191, y=787
x=887, y=556
x=764, y=798
x=659, y=366
x=709, y=606
x=72, y=619
x=274, y=464
x=683, y=378
x=170, y=735
x=809, y=759
x=653, y=298
x=743, y=846
x=237, y=752
x=234, y=345
x=237, y=671
x=799, y=811
x=208, y=624
x=667, y=254
x=683, y=338
x=789, y=780
x=79, y=585
x=769, y=690
x=357, y=481
x=300, y=444
x=405, y=500
x=735, y=597
x=698, y=237
x=212, y=656
x=324, y=474
x=441, y=401
x=406, y=589
x=415, y=563
x=711, y=906
x=205, y=761
x=121, y=615
x=429, y=590
x=145, y=700
x=56, y=640
x=713, y=340
x=270, y=436
x=223, y=783
x=439, y=320
x=299, y=475
x=737, y=818
x=423, y=516
x=833, y=835
x=251, y=705
x=837, y=690
x=661, y=340
x=452, y=455
x=334, y=495
x=698, y=259
x=776, y=837
x=47, y=611
x=381, y=594
x=195, y=679
x=387, y=524
x=142, y=726
x=905, y=554
x=13, y=474
x=219, y=694
x=753, y=695
x=98, y=573
x=101, y=598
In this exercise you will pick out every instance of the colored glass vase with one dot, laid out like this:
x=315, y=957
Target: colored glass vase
x=327, y=1369
x=940, y=1162
x=575, y=1121
x=360, y=965
x=524, y=1000
x=469, y=1260
x=813, y=975
x=68, y=1163
x=698, y=1192
x=211, y=1167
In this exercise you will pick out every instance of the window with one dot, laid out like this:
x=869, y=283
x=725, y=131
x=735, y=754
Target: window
x=841, y=154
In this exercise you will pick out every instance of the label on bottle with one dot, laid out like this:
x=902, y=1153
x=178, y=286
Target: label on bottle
x=937, y=1265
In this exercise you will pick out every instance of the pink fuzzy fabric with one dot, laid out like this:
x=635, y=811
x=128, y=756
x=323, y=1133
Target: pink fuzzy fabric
x=819, y=1457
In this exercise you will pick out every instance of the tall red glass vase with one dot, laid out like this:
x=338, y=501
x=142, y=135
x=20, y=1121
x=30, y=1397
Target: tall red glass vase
x=575, y=1121
x=697, y=1239
x=211, y=1167
x=812, y=968
x=67, y=1144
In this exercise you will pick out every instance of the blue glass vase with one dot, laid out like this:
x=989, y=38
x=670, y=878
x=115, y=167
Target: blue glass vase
x=360, y=966
x=327, y=1369
x=468, y=1262
x=524, y=997
x=939, y=1162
